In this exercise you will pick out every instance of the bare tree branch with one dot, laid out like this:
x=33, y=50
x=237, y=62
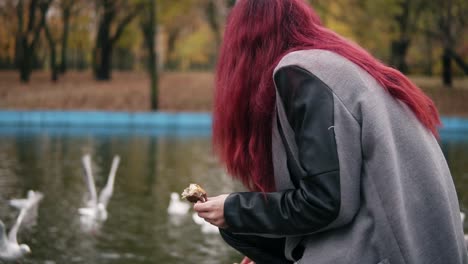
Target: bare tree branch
x=124, y=22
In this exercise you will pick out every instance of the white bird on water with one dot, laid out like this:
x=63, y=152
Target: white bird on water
x=97, y=207
x=206, y=227
x=10, y=250
x=31, y=204
x=176, y=206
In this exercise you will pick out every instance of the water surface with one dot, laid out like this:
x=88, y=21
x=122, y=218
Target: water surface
x=138, y=230
x=153, y=164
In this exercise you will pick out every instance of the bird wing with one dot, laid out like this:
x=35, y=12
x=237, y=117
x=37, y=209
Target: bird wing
x=19, y=203
x=33, y=199
x=12, y=236
x=3, y=236
x=107, y=191
x=86, y=160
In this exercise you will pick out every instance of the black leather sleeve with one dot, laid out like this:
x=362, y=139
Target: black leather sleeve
x=315, y=202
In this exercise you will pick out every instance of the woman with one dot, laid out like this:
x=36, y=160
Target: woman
x=339, y=151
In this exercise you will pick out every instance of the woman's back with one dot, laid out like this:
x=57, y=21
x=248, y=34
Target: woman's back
x=399, y=203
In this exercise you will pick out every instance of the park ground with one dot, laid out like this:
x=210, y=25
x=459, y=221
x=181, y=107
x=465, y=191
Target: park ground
x=179, y=91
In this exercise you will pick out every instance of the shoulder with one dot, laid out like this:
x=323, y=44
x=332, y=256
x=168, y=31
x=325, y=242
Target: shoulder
x=311, y=58
x=349, y=83
x=326, y=65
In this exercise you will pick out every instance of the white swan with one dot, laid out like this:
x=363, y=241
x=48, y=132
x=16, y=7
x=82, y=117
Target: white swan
x=31, y=204
x=176, y=206
x=206, y=227
x=97, y=207
x=10, y=250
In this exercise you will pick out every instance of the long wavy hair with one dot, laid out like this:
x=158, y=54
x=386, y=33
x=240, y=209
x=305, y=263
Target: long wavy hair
x=258, y=34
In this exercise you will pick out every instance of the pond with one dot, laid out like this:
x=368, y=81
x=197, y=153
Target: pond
x=138, y=229
x=154, y=163
x=455, y=148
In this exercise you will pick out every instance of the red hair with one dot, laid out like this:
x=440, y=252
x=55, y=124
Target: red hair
x=258, y=34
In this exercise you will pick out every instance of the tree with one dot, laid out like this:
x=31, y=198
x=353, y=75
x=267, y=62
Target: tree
x=110, y=15
x=7, y=34
x=211, y=9
x=148, y=26
x=351, y=19
x=80, y=41
x=174, y=17
x=44, y=7
x=405, y=20
x=68, y=8
x=450, y=21
x=27, y=39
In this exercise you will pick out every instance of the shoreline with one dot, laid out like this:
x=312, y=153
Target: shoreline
x=178, y=92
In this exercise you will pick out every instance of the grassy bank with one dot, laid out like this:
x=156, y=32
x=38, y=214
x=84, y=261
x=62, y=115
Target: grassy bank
x=128, y=91
x=193, y=91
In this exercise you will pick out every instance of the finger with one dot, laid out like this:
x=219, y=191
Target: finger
x=213, y=220
x=206, y=215
x=201, y=207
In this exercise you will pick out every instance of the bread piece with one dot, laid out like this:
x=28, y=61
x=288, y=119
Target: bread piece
x=194, y=193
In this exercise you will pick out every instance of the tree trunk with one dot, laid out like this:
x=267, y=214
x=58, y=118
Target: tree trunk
x=149, y=31
x=212, y=14
x=52, y=49
x=104, y=56
x=44, y=6
x=19, y=39
x=25, y=61
x=102, y=61
x=25, y=53
x=400, y=45
x=213, y=20
x=429, y=51
x=66, y=29
x=80, y=61
x=459, y=61
x=28, y=39
x=103, y=49
x=447, y=68
x=399, y=51
x=172, y=36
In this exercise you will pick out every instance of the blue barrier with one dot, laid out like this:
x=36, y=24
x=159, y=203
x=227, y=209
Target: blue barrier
x=97, y=118
x=141, y=119
x=454, y=124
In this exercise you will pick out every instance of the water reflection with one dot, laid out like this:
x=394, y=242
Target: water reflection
x=153, y=164
x=138, y=229
x=455, y=148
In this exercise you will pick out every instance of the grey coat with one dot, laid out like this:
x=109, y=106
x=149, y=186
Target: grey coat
x=398, y=201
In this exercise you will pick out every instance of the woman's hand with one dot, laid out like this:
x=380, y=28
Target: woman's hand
x=212, y=210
